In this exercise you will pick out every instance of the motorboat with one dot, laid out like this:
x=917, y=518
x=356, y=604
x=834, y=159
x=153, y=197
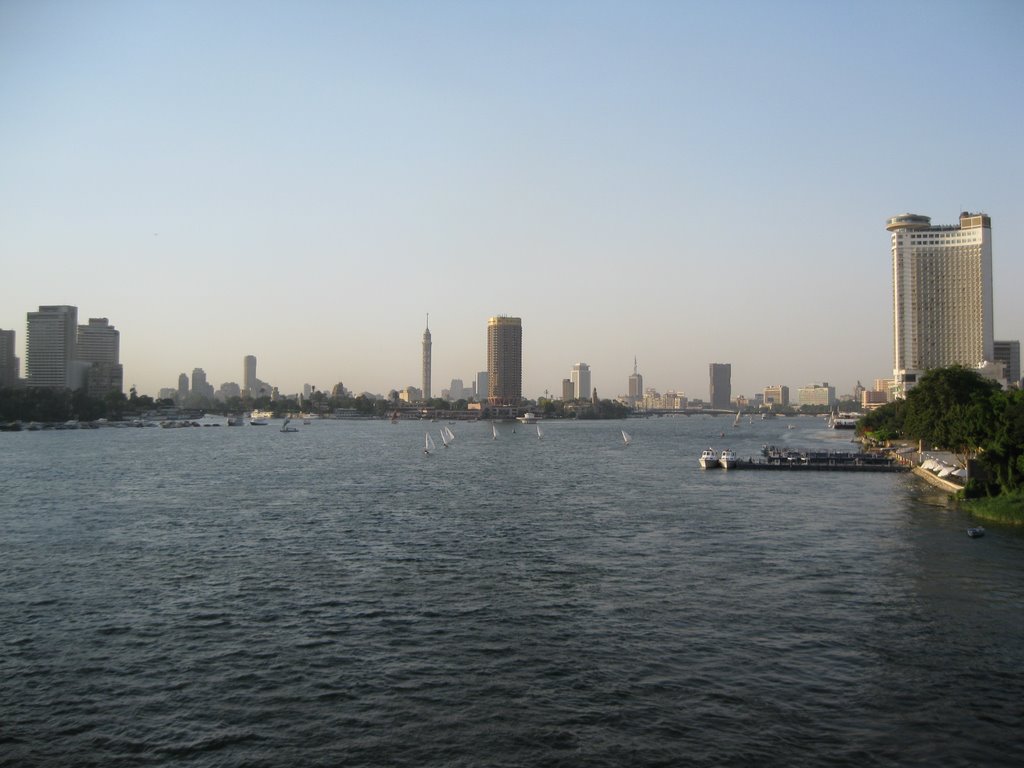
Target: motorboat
x=709, y=459
x=728, y=459
x=528, y=418
x=976, y=532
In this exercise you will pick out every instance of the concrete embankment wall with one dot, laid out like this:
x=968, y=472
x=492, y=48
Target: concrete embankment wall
x=938, y=482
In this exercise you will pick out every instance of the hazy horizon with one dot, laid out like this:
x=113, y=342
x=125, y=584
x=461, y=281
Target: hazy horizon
x=679, y=183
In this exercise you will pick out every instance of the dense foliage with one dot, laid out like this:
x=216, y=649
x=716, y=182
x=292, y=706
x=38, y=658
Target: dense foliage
x=957, y=409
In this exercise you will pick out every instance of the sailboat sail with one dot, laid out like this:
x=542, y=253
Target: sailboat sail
x=540, y=433
x=494, y=431
x=626, y=437
x=736, y=423
x=444, y=438
x=448, y=433
x=428, y=443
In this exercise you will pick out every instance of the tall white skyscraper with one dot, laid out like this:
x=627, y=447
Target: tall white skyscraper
x=942, y=295
x=51, y=346
x=580, y=378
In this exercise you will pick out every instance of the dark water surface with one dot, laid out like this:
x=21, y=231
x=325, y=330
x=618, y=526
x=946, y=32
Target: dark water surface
x=334, y=597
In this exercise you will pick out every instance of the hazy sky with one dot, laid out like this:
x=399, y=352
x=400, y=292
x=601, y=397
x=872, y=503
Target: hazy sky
x=683, y=182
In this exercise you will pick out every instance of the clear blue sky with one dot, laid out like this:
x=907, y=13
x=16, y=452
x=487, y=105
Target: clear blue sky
x=680, y=182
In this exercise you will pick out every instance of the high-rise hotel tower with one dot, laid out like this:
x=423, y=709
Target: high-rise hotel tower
x=504, y=360
x=942, y=295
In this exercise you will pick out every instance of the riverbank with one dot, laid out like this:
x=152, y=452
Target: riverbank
x=1001, y=509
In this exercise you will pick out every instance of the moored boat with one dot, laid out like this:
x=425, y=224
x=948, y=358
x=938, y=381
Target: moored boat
x=709, y=459
x=727, y=460
x=976, y=532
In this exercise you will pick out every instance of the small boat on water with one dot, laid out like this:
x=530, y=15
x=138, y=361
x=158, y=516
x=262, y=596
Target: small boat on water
x=286, y=428
x=728, y=459
x=709, y=459
x=976, y=532
x=528, y=418
x=428, y=444
x=626, y=437
x=258, y=422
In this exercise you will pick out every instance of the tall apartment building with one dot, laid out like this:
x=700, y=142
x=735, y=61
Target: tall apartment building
x=182, y=388
x=942, y=295
x=481, y=386
x=776, y=394
x=249, y=376
x=504, y=360
x=99, y=345
x=8, y=362
x=580, y=378
x=567, y=389
x=51, y=347
x=1008, y=353
x=721, y=385
x=427, y=345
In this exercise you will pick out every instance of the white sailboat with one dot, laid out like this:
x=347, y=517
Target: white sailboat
x=626, y=437
x=540, y=433
x=494, y=431
x=428, y=443
x=736, y=423
x=447, y=432
x=444, y=438
x=286, y=428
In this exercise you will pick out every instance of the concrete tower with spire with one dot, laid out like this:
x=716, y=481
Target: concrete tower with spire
x=426, y=360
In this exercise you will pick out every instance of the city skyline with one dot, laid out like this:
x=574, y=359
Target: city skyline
x=683, y=184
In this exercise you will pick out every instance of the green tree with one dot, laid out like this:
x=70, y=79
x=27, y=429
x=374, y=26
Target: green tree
x=949, y=407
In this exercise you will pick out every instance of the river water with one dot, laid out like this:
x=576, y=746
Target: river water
x=239, y=596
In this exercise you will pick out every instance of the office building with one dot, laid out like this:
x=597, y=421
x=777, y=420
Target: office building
x=99, y=345
x=249, y=388
x=51, y=347
x=182, y=388
x=776, y=394
x=8, y=362
x=942, y=295
x=504, y=360
x=1008, y=353
x=721, y=385
x=481, y=386
x=817, y=394
x=580, y=378
x=636, y=387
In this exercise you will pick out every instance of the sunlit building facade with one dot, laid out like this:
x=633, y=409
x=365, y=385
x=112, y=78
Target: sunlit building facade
x=580, y=378
x=942, y=295
x=504, y=360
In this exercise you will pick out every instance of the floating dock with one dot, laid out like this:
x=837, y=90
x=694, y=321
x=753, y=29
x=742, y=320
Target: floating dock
x=821, y=461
